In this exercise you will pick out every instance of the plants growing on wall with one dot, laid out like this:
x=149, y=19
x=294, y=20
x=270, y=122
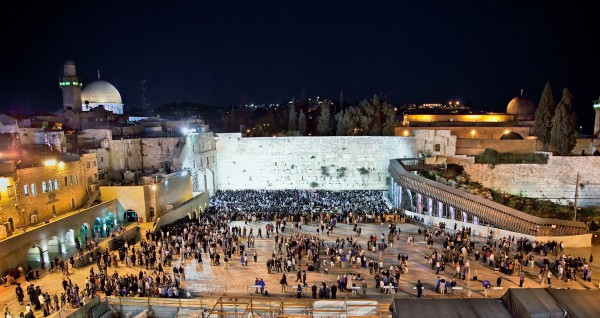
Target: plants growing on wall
x=325, y=171
x=363, y=170
x=341, y=172
x=314, y=184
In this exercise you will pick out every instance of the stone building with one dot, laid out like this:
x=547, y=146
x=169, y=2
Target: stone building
x=44, y=190
x=475, y=131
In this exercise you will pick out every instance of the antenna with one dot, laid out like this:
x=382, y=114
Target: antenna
x=521, y=92
x=98, y=74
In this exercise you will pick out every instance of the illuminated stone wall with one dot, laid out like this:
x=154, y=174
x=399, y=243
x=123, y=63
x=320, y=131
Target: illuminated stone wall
x=332, y=163
x=554, y=181
x=137, y=154
x=199, y=157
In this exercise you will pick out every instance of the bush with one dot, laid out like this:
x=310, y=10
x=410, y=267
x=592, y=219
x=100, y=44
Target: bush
x=493, y=157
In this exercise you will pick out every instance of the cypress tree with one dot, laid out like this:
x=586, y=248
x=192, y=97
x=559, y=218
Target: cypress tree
x=324, y=123
x=292, y=120
x=302, y=123
x=564, y=126
x=543, y=116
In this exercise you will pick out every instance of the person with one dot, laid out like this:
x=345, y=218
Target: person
x=591, y=258
x=20, y=293
x=487, y=285
x=299, y=291
x=283, y=283
x=549, y=276
x=314, y=291
x=498, y=281
x=419, y=289
x=521, y=278
x=333, y=291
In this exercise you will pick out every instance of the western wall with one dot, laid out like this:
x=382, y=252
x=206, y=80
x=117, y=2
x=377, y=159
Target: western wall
x=330, y=163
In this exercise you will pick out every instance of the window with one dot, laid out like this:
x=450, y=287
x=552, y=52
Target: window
x=34, y=217
x=44, y=189
x=66, y=184
x=56, y=184
x=33, y=190
x=26, y=190
x=94, y=163
x=75, y=179
x=101, y=159
x=87, y=164
x=72, y=203
x=49, y=185
x=71, y=180
x=437, y=147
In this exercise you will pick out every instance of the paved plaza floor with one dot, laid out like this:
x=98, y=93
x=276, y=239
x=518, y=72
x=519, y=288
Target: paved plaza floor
x=204, y=280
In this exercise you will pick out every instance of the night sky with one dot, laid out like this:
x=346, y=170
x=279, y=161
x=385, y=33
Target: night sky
x=222, y=53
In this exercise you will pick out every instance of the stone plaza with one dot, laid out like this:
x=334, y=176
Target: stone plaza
x=204, y=281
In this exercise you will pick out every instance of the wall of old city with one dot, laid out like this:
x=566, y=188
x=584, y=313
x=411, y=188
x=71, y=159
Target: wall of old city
x=332, y=163
x=473, y=147
x=554, y=181
x=198, y=155
x=137, y=154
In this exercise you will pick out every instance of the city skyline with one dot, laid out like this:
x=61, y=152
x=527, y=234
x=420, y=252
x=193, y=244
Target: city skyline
x=223, y=54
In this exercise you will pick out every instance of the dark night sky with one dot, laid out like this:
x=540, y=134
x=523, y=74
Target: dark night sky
x=221, y=52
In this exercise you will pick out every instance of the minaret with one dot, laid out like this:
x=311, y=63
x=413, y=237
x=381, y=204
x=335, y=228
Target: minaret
x=71, y=87
x=597, y=120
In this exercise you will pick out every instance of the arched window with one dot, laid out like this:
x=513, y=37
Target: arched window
x=71, y=180
x=44, y=189
x=33, y=190
x=56, y=184
x=72, y=203
x=26, y=190
x=75, y=179
x=49, y=185
x=66, y=184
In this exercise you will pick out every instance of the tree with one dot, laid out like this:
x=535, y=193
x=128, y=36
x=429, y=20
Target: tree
x=302, y=123
x=324, y=123
x=374, y=117
x=292, y=119
x=564, y=126
x=543, y=116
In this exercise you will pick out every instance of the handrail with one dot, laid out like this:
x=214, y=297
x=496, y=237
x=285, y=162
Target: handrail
x=399, y=172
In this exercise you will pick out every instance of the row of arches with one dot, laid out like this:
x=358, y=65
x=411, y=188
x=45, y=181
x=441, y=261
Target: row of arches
x=67, y=244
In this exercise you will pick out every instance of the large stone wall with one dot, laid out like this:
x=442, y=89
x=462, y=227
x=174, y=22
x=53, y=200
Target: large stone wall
x=554, y=181
x=137, y=154
x=198, y=155
x=334, y=163
x=473, y=147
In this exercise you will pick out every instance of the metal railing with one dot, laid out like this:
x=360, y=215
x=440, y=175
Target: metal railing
x=486, y=210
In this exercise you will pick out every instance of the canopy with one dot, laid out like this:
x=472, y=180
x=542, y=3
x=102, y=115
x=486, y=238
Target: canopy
x=578, y=303
x=471, y=307
x=532, y=302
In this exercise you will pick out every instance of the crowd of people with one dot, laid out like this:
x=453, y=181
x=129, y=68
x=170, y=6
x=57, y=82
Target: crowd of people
x=266, y=203
x=213, y=236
